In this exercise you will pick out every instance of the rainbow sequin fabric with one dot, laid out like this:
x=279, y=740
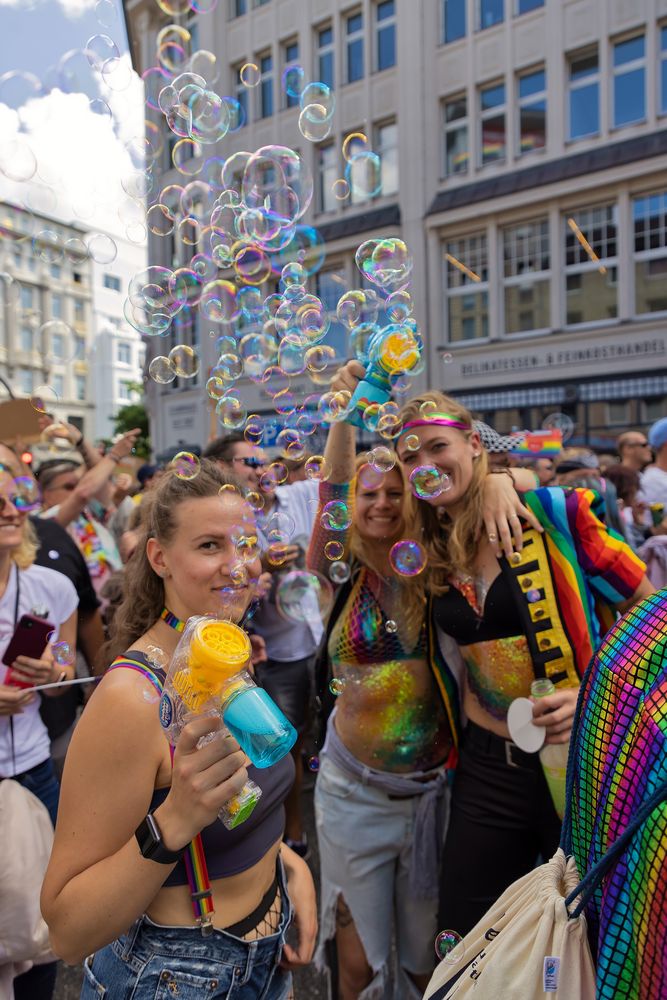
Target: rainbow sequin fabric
x=620, y=756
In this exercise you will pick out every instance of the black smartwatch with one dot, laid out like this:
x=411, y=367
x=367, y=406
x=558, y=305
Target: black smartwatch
x=150, y=843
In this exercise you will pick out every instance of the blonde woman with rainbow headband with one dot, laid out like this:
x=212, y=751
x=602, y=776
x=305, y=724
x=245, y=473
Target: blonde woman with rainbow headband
x=502, y=623
x=382, y=785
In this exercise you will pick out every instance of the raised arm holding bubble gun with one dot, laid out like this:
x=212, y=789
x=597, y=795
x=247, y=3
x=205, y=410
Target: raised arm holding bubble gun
x=124, y=877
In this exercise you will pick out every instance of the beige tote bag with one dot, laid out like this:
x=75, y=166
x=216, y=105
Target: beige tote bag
x=26, y=833
x=525, y=947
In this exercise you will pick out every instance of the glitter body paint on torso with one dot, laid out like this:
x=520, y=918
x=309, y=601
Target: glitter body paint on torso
x=389, y=713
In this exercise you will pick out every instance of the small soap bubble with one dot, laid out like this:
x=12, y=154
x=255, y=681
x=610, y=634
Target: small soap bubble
x=184, y=361
x=157, y=657
x=314, y=764
x=337, y=685
x=559, y=422
x=370, y=478
x=249, y=74
x=317, y=469
x=407, y=557
x=28, y=497
x=340, y=189
x=449, y=946
x=43, y=398
x=339, y=572
x=447, y=358
x=334, y=550
x=63, y=654
x=336, y=516
x=428, y=482
x=302, y=594
x=161, y=370
x=255, y=501
x=411, y=442
x=391, y=626
x=185, y=465
x=382, y=459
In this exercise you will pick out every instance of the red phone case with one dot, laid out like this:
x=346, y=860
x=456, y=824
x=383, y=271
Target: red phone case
x=30, y=639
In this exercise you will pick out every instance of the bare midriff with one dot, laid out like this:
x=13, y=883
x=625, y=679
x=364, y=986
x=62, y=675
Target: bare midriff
x=497, y=672
x=390, y=715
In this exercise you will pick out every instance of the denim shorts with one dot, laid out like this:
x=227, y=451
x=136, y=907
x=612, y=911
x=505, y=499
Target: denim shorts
x=153, y=962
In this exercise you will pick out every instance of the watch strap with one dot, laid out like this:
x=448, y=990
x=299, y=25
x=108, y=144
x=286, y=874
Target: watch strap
x=151, y=845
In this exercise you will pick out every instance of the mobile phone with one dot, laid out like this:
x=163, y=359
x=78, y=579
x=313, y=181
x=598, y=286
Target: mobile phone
x=30, y=638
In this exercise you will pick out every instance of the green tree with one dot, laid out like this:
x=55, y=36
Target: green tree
x=131, y=416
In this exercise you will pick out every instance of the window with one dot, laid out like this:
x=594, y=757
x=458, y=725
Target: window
x=124, y=354
x=590, y=264
x=56, y=306
x=192, y=25
x=526, y=277
x=467, y=288
x=490, y=12
x=80, y=388
x=58, y=383
x=492, y=109
x=290, y=59
x=330, y=285
x=124, y=390
x=523, y=6
x=629, y=81
x=619, y=412
x=354, y=27
x=266, y=86
x=241, y=92
x=653, y=409
x=77, y=277
x=259, y=3
x=27, y=339
x=650, y=234
x=239, y=8
x=584, y=95
x=56, y=271
x=26, y=382
x=327, y=172
x=27, y=297
x=79, y=311
x=456, y=135
x=385, y=27
x=112, y=282
x=57, y=346
x=532, y=111
x=79, y=349
x=386, y=145
x=325, y=56
x=453, y=20
x=663, y=69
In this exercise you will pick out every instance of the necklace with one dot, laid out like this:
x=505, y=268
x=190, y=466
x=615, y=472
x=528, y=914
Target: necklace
x=171, y=620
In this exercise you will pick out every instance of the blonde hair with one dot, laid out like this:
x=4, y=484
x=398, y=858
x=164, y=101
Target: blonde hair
x=24, y=554
x=451, y=544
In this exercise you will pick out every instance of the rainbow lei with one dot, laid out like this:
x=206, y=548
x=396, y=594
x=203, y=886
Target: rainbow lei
x=90, y=546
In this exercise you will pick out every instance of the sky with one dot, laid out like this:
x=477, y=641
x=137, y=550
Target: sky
x=58, y=153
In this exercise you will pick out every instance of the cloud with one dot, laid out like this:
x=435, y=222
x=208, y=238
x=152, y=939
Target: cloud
x=71, y=8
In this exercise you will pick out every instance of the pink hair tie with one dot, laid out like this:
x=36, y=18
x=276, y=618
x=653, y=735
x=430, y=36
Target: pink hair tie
x=439, y=419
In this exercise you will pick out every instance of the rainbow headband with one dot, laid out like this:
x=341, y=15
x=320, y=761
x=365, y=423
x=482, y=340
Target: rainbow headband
x=440, y=419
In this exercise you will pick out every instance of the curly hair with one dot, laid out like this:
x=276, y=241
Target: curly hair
x=143, y=589
x=451, y=544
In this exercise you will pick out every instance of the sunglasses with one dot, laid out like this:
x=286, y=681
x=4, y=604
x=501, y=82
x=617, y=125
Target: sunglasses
x=251, y=463
x=638, y=444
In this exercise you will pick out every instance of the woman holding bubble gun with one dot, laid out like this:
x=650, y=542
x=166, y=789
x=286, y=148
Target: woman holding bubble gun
x=535, y=612
x=143, y=873
x=382, y=785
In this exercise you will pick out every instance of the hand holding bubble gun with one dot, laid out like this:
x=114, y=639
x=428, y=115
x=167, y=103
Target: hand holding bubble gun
x=390, y=350
x=208, y=676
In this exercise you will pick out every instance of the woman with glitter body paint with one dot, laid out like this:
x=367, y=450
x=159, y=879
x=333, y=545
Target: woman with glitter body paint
x=381, y=791
x=502, y=623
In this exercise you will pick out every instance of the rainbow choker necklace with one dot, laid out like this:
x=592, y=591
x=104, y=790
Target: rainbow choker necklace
x=172, y=621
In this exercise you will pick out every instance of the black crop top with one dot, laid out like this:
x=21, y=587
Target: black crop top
x=500, y=617
x=229, y=852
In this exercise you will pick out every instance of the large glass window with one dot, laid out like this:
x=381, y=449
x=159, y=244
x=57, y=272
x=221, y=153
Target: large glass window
x=466, y=288
x=453, y=20
x=58, y=382
x=124, y=353
x=241, y=93
x=354, y=29
x=523, y=6
x=80, y=387
x=650, y=234
x=266, y=85
x=532, y=111
x=330, y=285
x=26, y=381
x=325, y=55
x=456, y=135
x=490, y=12
x=590, y=264
x=385, y=29
x=27, y=339
x=57, y=346
x=526, y=276
x=584, y=103
x=663, y=69
x=112, y=282
x=27, y=297
x=327, y=172
x=239, y=8
x=386, y=146
x=79, y=311
x=492, y=114
x=56, y=306
x=290, y=58
x=629, y=81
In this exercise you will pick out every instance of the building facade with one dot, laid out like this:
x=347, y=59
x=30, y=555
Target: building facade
x=524, y=155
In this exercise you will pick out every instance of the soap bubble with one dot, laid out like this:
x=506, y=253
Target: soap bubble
x=339, y=572
x=161, y=370
x=407, y=557
x=391, y=626
x=334, y=550
x=337, y=685
x=411, y=442
x=157, y=657
x=43, y=398
x=185, y=465
x=314, y=764
x=370, y=478
x=303, y=594
x=317, y=468
x=249, y=74
x=449, y=946
x=255, y=501
x=340, y=189
x=428, y=482
x=336, y=516
x=293, y=78
x=184, y=361
x=279, y=527
x=28, y=497
x=63, y=654
x=17, y=160
x=447, y=358
x=363, y=173
x=382, y=459
x=559, y=422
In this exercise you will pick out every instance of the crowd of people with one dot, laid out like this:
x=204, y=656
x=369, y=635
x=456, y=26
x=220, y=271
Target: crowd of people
x=426, y=811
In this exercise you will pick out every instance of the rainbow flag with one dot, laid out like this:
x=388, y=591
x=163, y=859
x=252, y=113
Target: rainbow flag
x=538, y=444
